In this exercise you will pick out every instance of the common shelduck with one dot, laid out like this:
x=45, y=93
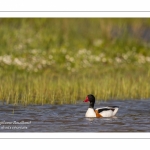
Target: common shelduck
x=108, y=111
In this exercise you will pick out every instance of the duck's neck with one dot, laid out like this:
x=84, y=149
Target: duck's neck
x=91, y=105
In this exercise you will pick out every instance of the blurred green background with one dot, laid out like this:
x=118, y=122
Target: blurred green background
x=61, y=60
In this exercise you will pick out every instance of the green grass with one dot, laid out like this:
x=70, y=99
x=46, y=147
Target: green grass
x=57, y=61
x=59, y=90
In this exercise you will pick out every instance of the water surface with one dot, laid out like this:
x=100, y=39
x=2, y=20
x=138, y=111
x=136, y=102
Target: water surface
x=133, y=116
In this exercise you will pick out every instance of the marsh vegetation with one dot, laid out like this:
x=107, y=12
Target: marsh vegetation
x=57, y=61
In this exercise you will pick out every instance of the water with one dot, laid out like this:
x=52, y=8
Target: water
x=133, y=116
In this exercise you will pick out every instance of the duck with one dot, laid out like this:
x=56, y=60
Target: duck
x=108, y=111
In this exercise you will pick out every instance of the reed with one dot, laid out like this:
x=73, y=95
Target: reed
x=64, y=90
x=58, y=61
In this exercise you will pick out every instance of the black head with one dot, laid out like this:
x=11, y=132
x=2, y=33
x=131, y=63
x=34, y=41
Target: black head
x=90, y=98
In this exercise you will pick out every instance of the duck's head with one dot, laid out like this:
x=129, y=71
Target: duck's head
x=90, y=98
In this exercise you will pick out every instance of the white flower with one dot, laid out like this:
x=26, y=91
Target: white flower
x=118, y=60
x=18, y=62
x=148, y=59
x=7, y=59
x=71, y=59
x=97, y=42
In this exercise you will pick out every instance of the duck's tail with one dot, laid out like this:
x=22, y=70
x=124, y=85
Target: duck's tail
x=116, y=109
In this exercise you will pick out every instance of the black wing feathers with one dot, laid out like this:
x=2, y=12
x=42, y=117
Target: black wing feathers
x=108, y=108
x=105, y=109
x=113, y=106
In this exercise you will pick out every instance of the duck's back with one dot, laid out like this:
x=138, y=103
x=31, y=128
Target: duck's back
x=107, y=111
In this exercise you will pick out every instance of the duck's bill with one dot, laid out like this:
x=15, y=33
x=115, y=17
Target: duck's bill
x=86, y=100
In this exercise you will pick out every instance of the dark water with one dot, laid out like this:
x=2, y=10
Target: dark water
x=133, y=116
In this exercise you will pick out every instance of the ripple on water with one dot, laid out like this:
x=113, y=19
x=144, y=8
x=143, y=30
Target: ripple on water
x=133, y=116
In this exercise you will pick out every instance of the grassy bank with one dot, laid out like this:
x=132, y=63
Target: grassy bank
x=60, y=90
x=62, y=60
